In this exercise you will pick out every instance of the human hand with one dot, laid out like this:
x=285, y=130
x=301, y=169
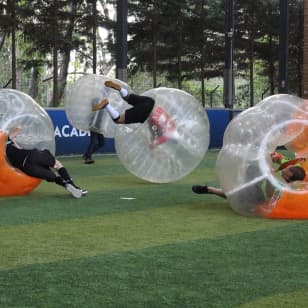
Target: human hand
x=276, y=157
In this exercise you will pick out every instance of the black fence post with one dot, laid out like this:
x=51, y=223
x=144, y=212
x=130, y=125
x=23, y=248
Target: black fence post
x=121, y=36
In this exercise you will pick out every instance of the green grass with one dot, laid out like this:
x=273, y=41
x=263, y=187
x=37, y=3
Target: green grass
x=166, y=248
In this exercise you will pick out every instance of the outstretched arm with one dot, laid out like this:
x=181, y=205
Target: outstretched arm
x=285, y=162
x=277, y=157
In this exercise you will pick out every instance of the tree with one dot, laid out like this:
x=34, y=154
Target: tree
x=296, y=46
x=52, y=31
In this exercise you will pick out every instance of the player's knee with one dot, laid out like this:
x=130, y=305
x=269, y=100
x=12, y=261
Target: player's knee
x=120, y=119
x=116, y=120
x=58, y=165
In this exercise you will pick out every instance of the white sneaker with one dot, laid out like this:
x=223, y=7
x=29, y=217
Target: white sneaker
x=75, y=192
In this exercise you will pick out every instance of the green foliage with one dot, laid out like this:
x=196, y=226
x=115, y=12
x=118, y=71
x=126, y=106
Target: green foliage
x=174, y=42
x=194, y=35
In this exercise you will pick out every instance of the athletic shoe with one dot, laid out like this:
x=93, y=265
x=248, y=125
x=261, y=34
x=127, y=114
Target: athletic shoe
x=199, y=189
x=113, y=85
x=89, y=160
x=74, y=191
x=100, y=105
x=84, y=192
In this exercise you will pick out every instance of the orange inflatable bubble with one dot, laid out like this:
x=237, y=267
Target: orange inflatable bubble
x=293, y=205
x=12, y=181
x=289, y=206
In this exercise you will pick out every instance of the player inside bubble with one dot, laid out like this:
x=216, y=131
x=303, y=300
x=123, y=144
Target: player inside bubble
x=18, y=109
x=163, y=133
x=247, y=161
x=160, y=123
x=284, y=169
x=170, y=143
x=88, y=91
x=27, y=146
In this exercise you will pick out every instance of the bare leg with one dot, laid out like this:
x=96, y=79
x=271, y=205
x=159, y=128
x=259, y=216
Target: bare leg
x=216, y=191
x=204, y=189
x=132, y=115
x=121, y=119
x=70, y=186
x=58, y=165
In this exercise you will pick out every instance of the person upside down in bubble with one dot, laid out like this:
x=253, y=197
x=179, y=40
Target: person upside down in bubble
x=161, y=124
x=263, y=190
x=38, y=164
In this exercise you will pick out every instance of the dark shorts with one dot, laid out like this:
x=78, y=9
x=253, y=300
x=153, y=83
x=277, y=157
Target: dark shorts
x=38, y=164
x=142, y=107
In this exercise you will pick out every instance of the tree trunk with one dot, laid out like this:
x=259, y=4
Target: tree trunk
x=300, y=74
x=34, y=81
x=63, y=70
x=94, y=13
x=271, y=67
x=2, y=40
x=180, y=47
x=65, y=56
x=299, y=57
x=54, y=100
x=251, y=70
x=202, y=82
x=154, y=43
x=202, y=61
x=12, y=7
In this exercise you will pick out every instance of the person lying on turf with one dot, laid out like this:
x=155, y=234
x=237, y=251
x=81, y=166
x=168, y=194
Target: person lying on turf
x=38, y=164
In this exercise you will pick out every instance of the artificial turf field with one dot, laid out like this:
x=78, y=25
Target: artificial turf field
x=167, y=247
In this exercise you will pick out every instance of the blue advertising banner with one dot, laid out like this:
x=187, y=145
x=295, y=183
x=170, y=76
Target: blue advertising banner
x=219, y=120
x=73, y=141
x=70, y=140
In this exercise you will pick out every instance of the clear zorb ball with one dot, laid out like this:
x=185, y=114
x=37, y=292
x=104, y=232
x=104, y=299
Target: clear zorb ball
x=170, y=143
x=244, y=167
x=86, y=92
x=18, y=109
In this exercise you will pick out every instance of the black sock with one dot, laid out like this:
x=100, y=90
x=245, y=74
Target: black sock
x=64, y=174
x=59, y=181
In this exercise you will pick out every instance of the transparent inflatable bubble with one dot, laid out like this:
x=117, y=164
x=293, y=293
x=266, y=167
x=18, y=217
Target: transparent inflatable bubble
x=166, y=156
x=86, y=92
x=244, y=166
x=18, y=109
